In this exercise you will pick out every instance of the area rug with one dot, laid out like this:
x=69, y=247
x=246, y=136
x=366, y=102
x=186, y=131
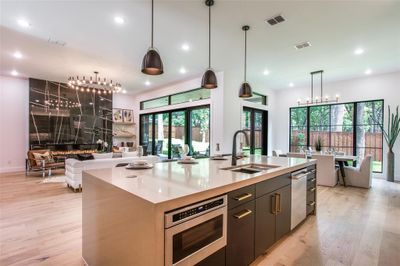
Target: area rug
x=53, y=179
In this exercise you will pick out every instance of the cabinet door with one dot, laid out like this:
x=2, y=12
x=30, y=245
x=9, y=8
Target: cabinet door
x=265, y=223
x=240, y=247
x=283, y=197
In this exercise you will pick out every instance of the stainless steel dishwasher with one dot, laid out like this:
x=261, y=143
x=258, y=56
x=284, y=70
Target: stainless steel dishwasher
x=299, y=196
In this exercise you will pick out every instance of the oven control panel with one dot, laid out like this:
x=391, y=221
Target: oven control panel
x=180, y=215
x=197, y=210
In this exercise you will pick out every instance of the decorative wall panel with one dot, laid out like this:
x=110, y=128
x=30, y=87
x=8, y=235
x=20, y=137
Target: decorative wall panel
x=60, y=116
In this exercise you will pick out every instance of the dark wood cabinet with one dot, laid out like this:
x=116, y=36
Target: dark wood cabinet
x=240, y=247
x=283, y=216
x=265, y=223
x=273, y=213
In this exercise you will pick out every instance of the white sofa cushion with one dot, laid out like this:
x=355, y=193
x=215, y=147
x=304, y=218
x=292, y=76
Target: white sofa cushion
x=102, y=155
x=74, y=168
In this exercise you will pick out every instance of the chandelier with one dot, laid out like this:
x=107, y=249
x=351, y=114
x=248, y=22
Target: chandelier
x=94, y=85
x=317, y=99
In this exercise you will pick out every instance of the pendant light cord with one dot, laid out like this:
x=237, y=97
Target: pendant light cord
x=209, y=37
x=245, y=54
x=152, y=22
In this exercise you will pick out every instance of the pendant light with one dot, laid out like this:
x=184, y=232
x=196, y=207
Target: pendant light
x=209, y=80
x=245, y=90
x=152, y=63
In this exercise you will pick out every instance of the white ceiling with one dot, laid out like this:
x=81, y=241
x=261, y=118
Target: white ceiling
x=95, y=42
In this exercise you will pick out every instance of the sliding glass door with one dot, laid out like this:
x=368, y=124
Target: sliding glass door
x=255, y=124
x=175, y=128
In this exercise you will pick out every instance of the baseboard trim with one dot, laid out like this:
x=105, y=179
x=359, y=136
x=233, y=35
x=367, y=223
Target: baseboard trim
x=12, y=169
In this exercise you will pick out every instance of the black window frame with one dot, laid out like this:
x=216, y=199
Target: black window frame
x=188, y=131
x=264, y=129
x=354, y=124
x=169, y=99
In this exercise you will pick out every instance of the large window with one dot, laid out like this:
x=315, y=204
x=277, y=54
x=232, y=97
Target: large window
x=257, y=98
x=173, y=129
x=255, y=123
x=182, y=97
x=352, y=128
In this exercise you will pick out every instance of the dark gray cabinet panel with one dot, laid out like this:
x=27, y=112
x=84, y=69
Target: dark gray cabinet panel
x=283, y=213
x=240, y=247
x=216, y=259
x=272, y=184
x=265, y=223
x=240, y=196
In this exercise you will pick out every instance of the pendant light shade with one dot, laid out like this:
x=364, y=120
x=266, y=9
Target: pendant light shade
x=209, y=80
x=152, y=63
x=245, y=90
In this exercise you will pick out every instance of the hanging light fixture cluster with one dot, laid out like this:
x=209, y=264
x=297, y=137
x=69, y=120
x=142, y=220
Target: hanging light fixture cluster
x=317, y=99
x=94, y=85
x=245, y=90
x=62, y=103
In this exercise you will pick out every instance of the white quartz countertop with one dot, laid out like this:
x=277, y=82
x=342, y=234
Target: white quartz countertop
x=168, y=181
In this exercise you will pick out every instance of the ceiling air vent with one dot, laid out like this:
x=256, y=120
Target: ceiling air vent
x=275, y=20
x=302, y=45
x=56, y=42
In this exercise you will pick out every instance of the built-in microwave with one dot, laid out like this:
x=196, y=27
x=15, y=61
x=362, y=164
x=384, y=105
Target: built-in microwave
x=195, y=232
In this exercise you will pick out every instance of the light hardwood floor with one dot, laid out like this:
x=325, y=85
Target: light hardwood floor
x=40, y=224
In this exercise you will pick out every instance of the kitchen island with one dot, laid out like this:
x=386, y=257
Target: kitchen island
x=124, y=211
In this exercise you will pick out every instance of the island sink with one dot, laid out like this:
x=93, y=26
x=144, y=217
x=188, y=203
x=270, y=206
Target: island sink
x=250, y=168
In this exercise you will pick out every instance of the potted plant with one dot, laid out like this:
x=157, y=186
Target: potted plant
x=318, y=144
x=390, y=135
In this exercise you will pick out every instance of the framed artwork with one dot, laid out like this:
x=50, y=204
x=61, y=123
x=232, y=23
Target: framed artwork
x=128, y=116
x=117, y=115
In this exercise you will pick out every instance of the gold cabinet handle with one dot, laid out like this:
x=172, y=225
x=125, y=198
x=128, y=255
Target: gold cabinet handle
x=312, y=203
x=242, y=214
x=243, y=196
x=313, y=189
x=279, y=203
x=273, y=204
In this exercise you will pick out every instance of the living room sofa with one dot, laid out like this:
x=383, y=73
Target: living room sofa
x=74, y=168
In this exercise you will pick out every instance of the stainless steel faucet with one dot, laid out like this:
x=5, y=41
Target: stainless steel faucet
x=234, y=145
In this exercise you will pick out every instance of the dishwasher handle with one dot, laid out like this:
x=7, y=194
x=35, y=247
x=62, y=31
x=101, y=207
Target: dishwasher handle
x=302, y=173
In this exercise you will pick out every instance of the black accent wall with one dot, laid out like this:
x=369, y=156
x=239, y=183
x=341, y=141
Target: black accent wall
x=61, y=117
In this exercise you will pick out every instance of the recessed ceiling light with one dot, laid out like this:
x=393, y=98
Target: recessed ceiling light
x=14, y=73
x=185, y=47
x=119, y=20
x=17, y=55
x=147, y=83
x=368, y=71
x=23, y=23
x=266, y=72
x=123, y=91
x=182, y=70
x=291, y=84
x=358, y=51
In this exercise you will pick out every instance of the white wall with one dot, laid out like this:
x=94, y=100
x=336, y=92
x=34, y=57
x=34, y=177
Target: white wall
x=14, y=123
x=385, y=86
x=233, y=107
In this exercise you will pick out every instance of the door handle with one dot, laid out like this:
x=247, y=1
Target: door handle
x=242, y=214
x=243, y=196
x=313, y=189
x=273, y=204
x=278, y=203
